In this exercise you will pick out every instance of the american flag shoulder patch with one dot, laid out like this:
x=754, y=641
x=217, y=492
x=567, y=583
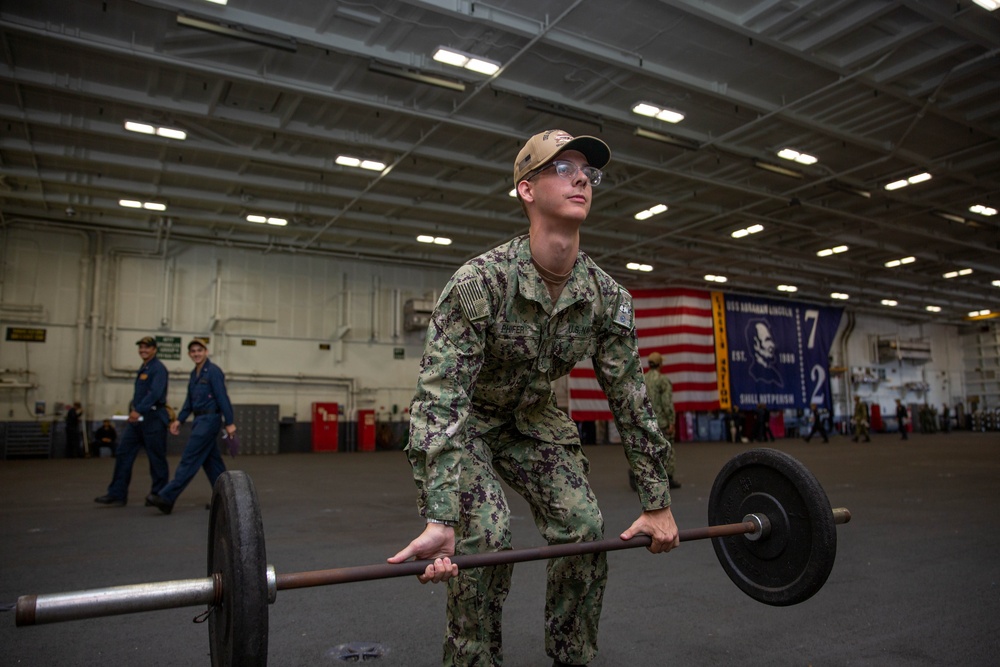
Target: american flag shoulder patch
x=472, y=294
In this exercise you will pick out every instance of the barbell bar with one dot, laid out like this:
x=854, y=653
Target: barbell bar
x=155, y=596
x=770, y=523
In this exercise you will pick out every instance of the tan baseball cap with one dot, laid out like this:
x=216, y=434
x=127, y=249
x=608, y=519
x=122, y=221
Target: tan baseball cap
x=655, y=358
x=146, y=340
x=545, y=146
x=197, y=341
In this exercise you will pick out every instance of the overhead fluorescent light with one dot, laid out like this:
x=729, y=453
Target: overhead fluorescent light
x=956, y=274
x=996, y=283
x=983, y=210
x=932, y=309
x=171, y=133
x=145, y=128
x=437, y=240
x=419, y=77
x=237, y=33
x=840, y=296
x=358, y=163
x=650, y=212
x=795, y=156
x=988, y=5
x=636, y=266
x=267, y=220
x=893, y=263
x=747, y=231
x=665, y=138
x=455, y=58
x=715, y=279
x=141, y=128
x=981, y=314
x=448, y=57
x=836, y=250
x=149, y=205
x=890, y=302
x=912, y=180
x=767, y=166
x=787, y=288
x=660, y=113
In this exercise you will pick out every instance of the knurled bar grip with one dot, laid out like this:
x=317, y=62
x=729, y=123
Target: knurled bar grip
x=111, y=601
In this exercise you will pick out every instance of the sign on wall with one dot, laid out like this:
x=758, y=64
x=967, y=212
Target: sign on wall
x=168, y=348
x=26, y=335
x=779, y=352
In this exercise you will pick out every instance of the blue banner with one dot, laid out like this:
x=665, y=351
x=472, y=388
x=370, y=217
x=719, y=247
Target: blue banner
x=779, y=352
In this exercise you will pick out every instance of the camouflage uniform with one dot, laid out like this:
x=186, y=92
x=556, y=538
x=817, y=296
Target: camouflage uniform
x=861, y=421
x=484, y=411
x=661, y=396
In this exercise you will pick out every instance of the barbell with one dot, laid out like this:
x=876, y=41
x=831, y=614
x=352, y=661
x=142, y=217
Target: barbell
x=770, y=521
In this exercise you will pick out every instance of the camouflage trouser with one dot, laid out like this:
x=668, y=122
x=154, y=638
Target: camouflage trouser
x=553, y=479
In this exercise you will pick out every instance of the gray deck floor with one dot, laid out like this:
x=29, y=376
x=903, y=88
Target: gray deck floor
x=916, y=582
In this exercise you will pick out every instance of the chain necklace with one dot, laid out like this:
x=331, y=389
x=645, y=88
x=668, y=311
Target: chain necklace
x=554, y=280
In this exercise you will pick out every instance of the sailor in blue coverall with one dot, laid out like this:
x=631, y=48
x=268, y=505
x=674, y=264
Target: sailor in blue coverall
x=147, y=427
x=208, y=401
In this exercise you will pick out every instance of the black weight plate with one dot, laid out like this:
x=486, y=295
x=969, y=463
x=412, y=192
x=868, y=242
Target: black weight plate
x=795, y=559
x=237, y=627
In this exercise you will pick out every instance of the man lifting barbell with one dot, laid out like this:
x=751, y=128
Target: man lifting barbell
x=508, y=324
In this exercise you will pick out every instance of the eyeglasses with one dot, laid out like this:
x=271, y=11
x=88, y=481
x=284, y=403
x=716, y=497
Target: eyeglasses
x=568, y=169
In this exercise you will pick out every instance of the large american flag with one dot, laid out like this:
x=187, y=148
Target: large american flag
x=677, y=323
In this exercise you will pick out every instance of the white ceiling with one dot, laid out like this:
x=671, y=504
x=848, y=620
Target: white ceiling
x=877, y=90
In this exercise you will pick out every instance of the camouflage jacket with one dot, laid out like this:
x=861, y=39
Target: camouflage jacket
x=494, y=345
x=661, y=396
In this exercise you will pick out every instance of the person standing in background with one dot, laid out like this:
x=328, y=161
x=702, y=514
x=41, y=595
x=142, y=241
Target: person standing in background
x=661, y=396
x=146, y=427
x=901, y=416
x=74, y=435
x=208, y=401
x=861, y=420
x=763, y=424
x=818, y=426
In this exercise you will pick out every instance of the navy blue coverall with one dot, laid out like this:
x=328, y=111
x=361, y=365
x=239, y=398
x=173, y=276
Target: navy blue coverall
x=208, y=401
x=149, y=400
